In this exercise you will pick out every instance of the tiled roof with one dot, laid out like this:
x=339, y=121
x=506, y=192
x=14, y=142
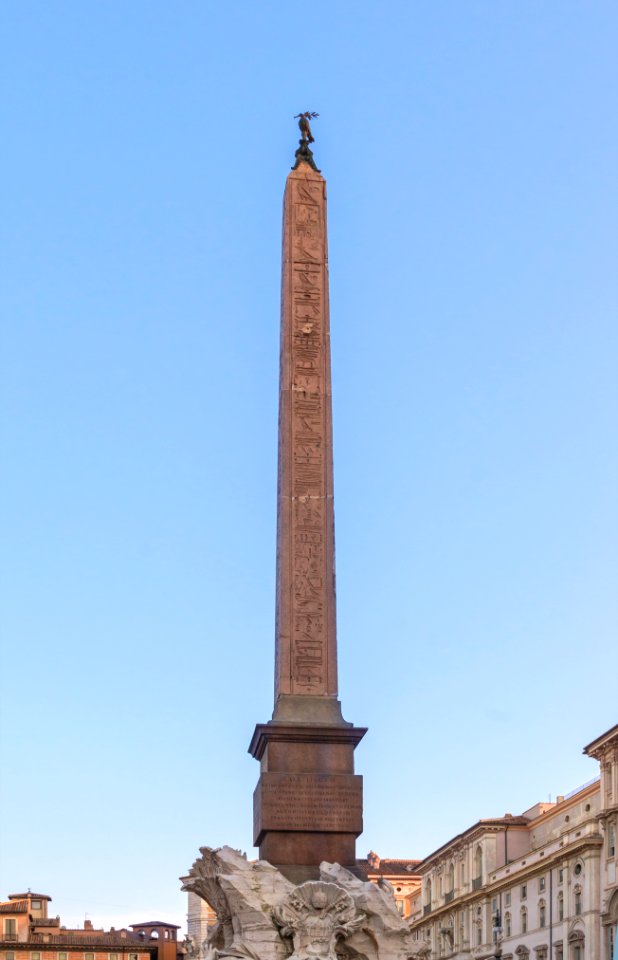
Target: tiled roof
x=24, y=896
x=88, y=939
x=14, y=906
x=387, y=868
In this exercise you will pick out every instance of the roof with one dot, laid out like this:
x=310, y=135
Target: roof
x=105, y=940
x=28, y=896
x=46, y=922
x=493, y=823
x=388, y=867
x=14, y=906
x=600, y=741
x=155, y=923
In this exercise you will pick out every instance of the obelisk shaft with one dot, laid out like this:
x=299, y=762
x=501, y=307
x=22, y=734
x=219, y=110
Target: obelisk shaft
x=308, y=803
x=306, y=642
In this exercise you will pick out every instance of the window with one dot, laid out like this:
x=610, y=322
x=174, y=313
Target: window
x=542, y=913
x=63, y=956
x=560, y=906
x=89, y=956
x=524, y=920
x=611, y=840
x=494, y=904
x=35, y=956
x=9, y=955
x=133, y=956
x=578, y=869
x=478, y=864
x=507, y=898
x=479, y=935
x=507, y=925
x=577, y=952
x=10, y=927
x=524, y=891
x=560, y=875
x=541, y=884
x=113, y=956
x=35, y=904
x=578, y=901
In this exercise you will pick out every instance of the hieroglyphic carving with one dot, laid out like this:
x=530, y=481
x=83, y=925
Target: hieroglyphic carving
x=305, y=614
x=308, y=660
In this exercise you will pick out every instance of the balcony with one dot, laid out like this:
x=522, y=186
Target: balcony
x=426, y=909
x=476, y=883
x=449, y=896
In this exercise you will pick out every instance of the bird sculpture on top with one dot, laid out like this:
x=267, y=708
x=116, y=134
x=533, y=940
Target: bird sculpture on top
x=304, y=154
x=304, y=125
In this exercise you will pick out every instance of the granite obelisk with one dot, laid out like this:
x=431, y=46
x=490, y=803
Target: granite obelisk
x=308, y=801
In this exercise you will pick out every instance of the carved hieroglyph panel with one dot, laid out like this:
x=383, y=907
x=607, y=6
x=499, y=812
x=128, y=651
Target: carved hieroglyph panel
x=305, y=578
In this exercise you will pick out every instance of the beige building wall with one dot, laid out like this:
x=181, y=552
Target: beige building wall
x=541, y=886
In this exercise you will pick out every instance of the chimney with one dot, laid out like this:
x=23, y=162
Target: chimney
x=87, y=924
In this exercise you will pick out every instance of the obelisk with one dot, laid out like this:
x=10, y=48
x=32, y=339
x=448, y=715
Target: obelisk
x=308, y=801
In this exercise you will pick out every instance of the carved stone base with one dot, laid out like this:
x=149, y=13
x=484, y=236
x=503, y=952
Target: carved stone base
x=264, y=916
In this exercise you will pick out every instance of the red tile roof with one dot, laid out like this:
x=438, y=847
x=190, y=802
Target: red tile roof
x=14, y=906
x=25, y=896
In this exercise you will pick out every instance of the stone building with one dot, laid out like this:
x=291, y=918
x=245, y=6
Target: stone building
x=540, y=886
x=28, y=933
x=400, y=875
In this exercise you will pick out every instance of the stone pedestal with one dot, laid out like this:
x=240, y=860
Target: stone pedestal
x=308, y=804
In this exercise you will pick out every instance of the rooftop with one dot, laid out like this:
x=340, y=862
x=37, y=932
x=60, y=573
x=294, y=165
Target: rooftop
x=28, y=896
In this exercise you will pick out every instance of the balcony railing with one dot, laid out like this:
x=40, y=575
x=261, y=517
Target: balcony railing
x=426, y=909
x=476, y=883
x=449, y=896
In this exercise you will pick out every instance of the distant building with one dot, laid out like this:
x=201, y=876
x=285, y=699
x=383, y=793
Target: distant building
x=540, y=886
x=27, y=933
x=400, y=875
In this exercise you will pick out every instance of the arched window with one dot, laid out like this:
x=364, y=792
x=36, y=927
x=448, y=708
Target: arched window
x=524, y=920
x=508, y=928
x=154, y=934
x=542, y=914
x=577, y=901
x=576, y=944
x=560, y=906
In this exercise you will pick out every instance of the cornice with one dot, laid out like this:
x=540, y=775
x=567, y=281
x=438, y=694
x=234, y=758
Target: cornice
x=497, y=886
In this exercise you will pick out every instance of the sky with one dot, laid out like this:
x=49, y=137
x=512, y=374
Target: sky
x=470, y=151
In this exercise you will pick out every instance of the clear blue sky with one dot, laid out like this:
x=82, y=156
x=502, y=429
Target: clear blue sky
x=470, y=150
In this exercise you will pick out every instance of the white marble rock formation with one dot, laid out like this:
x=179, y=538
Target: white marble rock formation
x=263, y=916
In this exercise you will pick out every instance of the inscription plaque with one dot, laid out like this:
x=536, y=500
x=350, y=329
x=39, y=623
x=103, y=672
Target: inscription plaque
x=308, y=802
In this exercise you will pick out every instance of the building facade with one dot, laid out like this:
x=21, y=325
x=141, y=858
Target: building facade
x=540, y=886
x=28, y=933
